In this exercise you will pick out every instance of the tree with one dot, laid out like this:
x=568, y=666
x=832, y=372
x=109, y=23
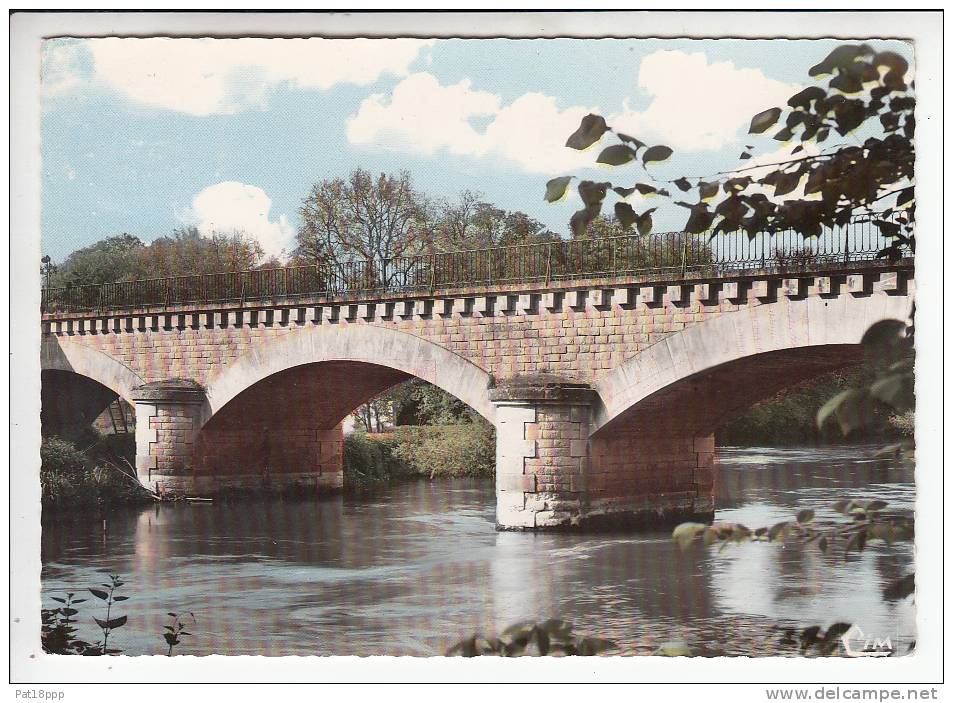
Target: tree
x=356, y=226
x=187, y=252
x=111, y=259
x=867, y=92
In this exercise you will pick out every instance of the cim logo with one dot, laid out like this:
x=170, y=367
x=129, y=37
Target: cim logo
x=857, y=644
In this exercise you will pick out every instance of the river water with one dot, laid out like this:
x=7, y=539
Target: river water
x=413, y=568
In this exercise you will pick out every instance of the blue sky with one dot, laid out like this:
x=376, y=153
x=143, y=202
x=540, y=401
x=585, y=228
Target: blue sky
x=146, y=135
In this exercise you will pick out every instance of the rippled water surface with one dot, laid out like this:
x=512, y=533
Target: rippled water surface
x=414, y=568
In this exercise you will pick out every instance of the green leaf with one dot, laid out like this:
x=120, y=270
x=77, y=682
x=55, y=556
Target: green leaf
x=645, y=222
x=874, y=505
x=763, y=120
x=626, y=215
x=116, y=622
x=707, y=190
x=905, y=196
x=700, y=219
x=624, y=192
x=656, y=153
x=616, y=155
x=896, y=390
x=589, y=132
x=901, y=588
x=645, y=189
x=683, y=184
x=786, y=182
x=822, y=544
x=556, y=188
x=630, y=140
x=579, y=222
x=102, y=595
x=592, y=193
x=805, y=516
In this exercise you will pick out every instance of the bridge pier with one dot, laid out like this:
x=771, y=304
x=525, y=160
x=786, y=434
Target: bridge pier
x=542, y=453
x=168, y=417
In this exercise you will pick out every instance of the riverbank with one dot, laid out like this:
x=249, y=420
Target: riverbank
x=465, y=449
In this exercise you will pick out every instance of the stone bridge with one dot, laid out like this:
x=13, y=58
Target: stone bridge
x=605, y=392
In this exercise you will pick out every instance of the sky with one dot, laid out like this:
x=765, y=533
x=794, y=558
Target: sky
x=144, y=136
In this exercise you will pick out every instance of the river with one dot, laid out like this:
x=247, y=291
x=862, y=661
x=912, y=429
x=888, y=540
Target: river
x=411, y=569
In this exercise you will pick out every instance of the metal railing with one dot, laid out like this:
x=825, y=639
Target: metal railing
x=675, y=254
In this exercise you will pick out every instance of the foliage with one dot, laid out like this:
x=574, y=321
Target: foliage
x=186, y=252
x=369, y=460
x=472, y=223
x=111, y=259
x=790, y=417
x=362, y=218
x=890, y=341
x=550, y=638
x=867, y=90
x=57, y=631
x=109, y=623
x=862, y=521
x=462, y=449
x=175, y=631
x=71, y=477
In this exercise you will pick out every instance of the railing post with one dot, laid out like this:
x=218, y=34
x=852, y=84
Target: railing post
x=433, y=273
x=847, y=244
x=549, y=262
x=684, y=253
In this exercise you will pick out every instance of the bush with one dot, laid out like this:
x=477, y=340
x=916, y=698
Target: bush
x=370, y=460
x=70, y=476
x=463, y=449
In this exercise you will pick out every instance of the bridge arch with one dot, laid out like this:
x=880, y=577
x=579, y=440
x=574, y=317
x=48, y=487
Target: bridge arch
x=353, y=344
x=59, y=355
x=812, y=330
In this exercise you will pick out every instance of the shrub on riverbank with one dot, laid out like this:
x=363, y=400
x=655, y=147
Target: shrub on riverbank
x=467, y=448
x=74, y=477
x=790, y=417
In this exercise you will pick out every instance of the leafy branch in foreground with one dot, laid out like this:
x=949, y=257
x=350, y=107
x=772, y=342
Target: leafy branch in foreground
x=550, y=638
x=176, y=630
x=109, y=624
x=866, y=90
x=865, y=520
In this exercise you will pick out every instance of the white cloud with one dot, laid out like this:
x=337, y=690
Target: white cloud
x=225, y=76
x=424, y=116
x=697, y=105
x=238, y=207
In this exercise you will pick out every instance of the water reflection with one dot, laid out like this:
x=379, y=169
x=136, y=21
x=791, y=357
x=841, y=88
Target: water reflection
x=413, y=568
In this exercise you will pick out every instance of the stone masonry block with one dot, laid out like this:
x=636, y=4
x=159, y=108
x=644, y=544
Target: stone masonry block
x=576, y=299
x=422, y=308
x=733, y=291
x=525, y=483
x=857, y=284
x=624, y=297
x=443, y=307
x=526, y=304
x=649, y=295
x=761, y=289
x=578, y=447
x=703, y=292
x=366, y=311
x=888, y=282
x=600, y=298
x=485, y=305
x=551, y=301
x=793, y=287
x=678, y=294
x=462, y=306
x=825, y=285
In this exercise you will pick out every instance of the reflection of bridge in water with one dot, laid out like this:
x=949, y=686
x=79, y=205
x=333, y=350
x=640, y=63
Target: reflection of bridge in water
x=605, y=365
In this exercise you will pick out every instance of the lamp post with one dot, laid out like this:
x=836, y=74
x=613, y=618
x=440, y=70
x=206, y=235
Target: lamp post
x=47, y=269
